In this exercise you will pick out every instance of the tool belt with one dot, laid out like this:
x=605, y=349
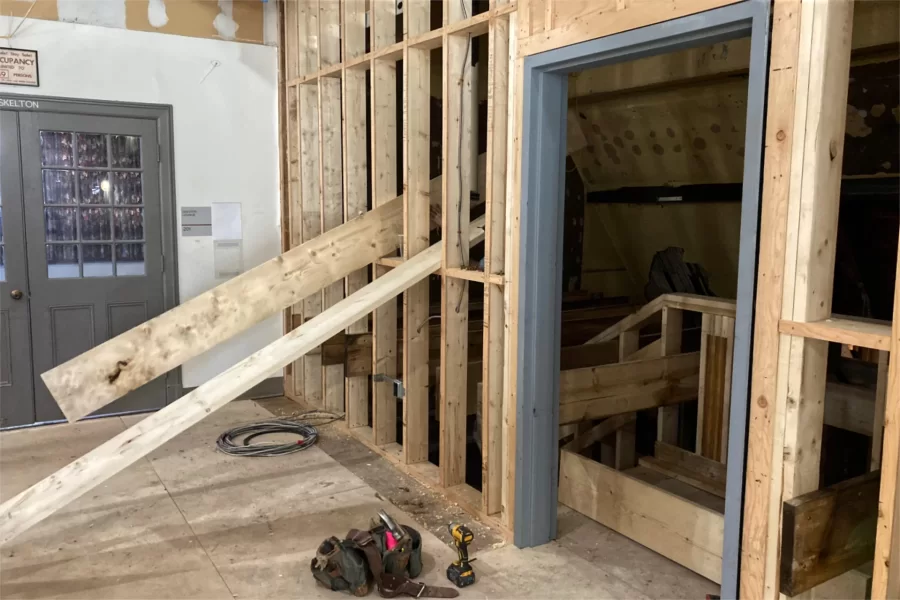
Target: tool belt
x=362, y=557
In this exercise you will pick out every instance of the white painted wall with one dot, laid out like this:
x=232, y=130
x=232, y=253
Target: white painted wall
x=225, y=134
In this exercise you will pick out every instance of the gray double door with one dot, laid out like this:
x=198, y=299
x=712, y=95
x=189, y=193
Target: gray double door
x=80, y=252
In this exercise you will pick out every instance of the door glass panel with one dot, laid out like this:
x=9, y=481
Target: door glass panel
x=106, y=172
x=97, y=260
x=60, y=224
x=130, y=259
x=62, y=261
x=95, y=224
x=93, y=187
x=92, y=150
x=127, y=188
x=59, y=186
x=56, y=148
x=129, y=223
x=126, y=151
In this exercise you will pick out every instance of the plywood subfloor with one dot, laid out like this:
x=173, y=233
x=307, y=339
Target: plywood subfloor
x=188, y=522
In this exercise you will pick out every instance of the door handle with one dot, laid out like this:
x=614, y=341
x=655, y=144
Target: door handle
x=16, y=294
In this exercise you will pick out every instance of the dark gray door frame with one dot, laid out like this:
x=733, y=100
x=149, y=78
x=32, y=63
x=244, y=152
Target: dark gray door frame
x=540, y=253
x=163, y=117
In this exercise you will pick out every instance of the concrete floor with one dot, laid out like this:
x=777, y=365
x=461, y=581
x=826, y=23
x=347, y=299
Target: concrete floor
x=189, y=522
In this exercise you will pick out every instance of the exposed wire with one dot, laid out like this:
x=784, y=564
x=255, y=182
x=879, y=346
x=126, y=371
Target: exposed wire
x=16, y=30
x=462, y=116
x=236, y=441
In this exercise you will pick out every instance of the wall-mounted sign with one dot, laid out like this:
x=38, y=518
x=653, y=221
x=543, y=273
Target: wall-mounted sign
x=19, y=67
x=196, y=221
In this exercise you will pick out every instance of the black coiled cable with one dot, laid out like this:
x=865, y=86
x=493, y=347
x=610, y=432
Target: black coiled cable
x=230, y=442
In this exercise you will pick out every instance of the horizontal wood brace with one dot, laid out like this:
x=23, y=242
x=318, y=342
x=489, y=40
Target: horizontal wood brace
x=868, y=333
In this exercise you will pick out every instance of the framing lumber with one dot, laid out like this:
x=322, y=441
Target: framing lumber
x=353, y=98
x=684, y=531
x=311, y=206
x=709, y=469
x=879, y=410
x=597, y=392
x=828, y=532
x=84, y=474
x=867, y=333
x=494, y=255
x=112, y=369
x=384, y=187
x=331, y=174
x=598, y=432
x=459, y=153
x=763, y=439
x=716, y=347
x=886, y=570
x=670, y=344
x=822, y=71
x=679, y=472
x=684, y=302
x=417, y=225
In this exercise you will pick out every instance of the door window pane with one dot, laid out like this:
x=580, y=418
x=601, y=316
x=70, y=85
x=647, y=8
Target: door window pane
x=127, y=188
x=95, y=224
x=130, y=259
x=2, y=264
x=62, y=261
x=94, y=187
x=56, y=148
x=60, y=224
x=97, y=260
x=126, y=151
x=91, y=150
x=59, y=186
x=129, y=223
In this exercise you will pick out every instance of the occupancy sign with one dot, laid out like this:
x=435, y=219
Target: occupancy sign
x=19, y=67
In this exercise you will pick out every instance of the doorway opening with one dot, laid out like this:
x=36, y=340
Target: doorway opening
x=652, y=210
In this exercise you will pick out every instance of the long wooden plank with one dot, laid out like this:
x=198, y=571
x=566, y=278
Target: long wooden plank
x=355, y=189
x=331, y=176
x=112, y=369
x=599, y=431
x=812, y=234
x=416, y=152
x=84, y=474
x=707, y=468
x=688, y=533
x=689, y=302
x=679, y=472
x=868, y=333
x=587, y=394
x=577, y=385
x=494, y=254
x=670, y=343
x=886, y=572
x=459, y=152
x=763, y=468
x=828, y=532
x=384, y=186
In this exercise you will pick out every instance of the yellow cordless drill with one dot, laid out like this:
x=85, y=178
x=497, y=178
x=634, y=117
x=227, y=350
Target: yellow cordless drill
x=460, y=572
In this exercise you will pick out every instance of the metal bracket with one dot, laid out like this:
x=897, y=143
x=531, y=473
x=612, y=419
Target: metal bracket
x=399, y=390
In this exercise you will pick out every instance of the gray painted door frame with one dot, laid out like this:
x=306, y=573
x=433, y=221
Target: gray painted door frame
x=162, y=118
x=541, y=245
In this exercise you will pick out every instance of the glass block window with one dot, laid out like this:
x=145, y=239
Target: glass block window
x=93, y=204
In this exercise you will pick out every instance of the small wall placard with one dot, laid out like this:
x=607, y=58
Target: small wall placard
x=19, y=67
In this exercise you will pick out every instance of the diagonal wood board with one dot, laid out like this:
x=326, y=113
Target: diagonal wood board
x=84, y=474
x=107, y=372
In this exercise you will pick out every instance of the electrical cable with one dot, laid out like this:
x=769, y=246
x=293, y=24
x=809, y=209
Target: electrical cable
x=236, y=441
